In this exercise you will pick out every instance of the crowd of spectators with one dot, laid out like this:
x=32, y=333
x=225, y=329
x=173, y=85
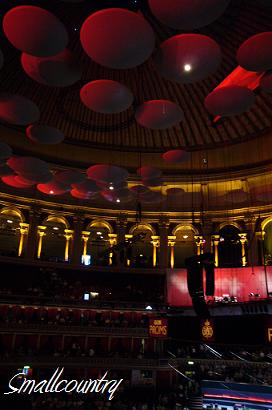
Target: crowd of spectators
x=52, y=285
x=19, y=315
x=127, y=398
x=219, y=351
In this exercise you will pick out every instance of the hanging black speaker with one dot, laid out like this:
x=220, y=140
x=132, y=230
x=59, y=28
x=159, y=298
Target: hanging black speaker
x=194, y=275
x=209, y=269
x=194, y=266
x=200, y=306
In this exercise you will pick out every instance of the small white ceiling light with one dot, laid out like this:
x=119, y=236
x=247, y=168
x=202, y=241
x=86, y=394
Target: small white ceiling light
x=9, y=221
x=99, y=233
x=185, y=236
x=118, y=200
x=187, y=67
x=51, y=192
x=148, y=307
x=55, y=228
x=111, y=188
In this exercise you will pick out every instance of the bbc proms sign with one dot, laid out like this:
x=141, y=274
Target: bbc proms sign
x=158, y=327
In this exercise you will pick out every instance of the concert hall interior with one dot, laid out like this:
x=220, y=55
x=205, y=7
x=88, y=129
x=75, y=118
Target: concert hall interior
x=136, y=202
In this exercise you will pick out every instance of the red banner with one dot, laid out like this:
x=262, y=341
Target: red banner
x=158, y=327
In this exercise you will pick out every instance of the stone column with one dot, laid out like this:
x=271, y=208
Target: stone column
x=41, y=234
x=23, y=234
x=163, y=229
x=243, y=240
x=215, y=241
x=156, y=243
x=68, y=235
x=85, y=238
x=199, y=244
x=112, y=242
x=171, y=243
x=128, y=237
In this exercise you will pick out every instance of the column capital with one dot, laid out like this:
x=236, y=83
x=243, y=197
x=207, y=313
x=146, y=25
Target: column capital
x=41, y=230
x=68, y=234
x=155, y=241
x=198, y=239
x=215, y=238
x=85, y=235
x=172, y=240
x=24, y=227
x=112, y=239
x=243, y=237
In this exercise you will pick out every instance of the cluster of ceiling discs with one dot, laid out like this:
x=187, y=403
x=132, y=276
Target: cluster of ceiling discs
x=119, y=39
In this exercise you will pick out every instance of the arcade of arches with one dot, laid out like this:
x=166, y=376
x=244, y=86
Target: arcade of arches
x=162, y=241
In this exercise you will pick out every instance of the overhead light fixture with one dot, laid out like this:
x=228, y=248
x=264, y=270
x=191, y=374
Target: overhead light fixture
x=9, y=221
x=185, y=236
x=55, y=228
x=111, y=188
x=118, y=200
x=187, y=67
x=99, y=233
x=51, y=192
x=148, y=307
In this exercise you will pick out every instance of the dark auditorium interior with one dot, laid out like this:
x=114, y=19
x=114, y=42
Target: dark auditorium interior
x=136, y=204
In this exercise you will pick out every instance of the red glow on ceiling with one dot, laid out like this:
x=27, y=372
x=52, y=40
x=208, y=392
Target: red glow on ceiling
x=243, y=78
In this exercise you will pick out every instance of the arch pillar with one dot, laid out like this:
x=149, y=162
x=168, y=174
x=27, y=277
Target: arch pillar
x=243, y=240
x=156, y=243
x=68, y=235
x=171, y=243
x=41, y=234
x=215, y=242
x=199, y=241
x=112, y=242
x=24, y=227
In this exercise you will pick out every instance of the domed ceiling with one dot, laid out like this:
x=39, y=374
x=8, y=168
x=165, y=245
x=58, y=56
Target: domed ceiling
x=145, y=77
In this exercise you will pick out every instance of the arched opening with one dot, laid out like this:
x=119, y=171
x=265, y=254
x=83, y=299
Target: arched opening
x=54, y=241
x=184, y=245
x=141, y=250
x=229, y=247
x=268, y=243
x=10, y=220
x=99, y=243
